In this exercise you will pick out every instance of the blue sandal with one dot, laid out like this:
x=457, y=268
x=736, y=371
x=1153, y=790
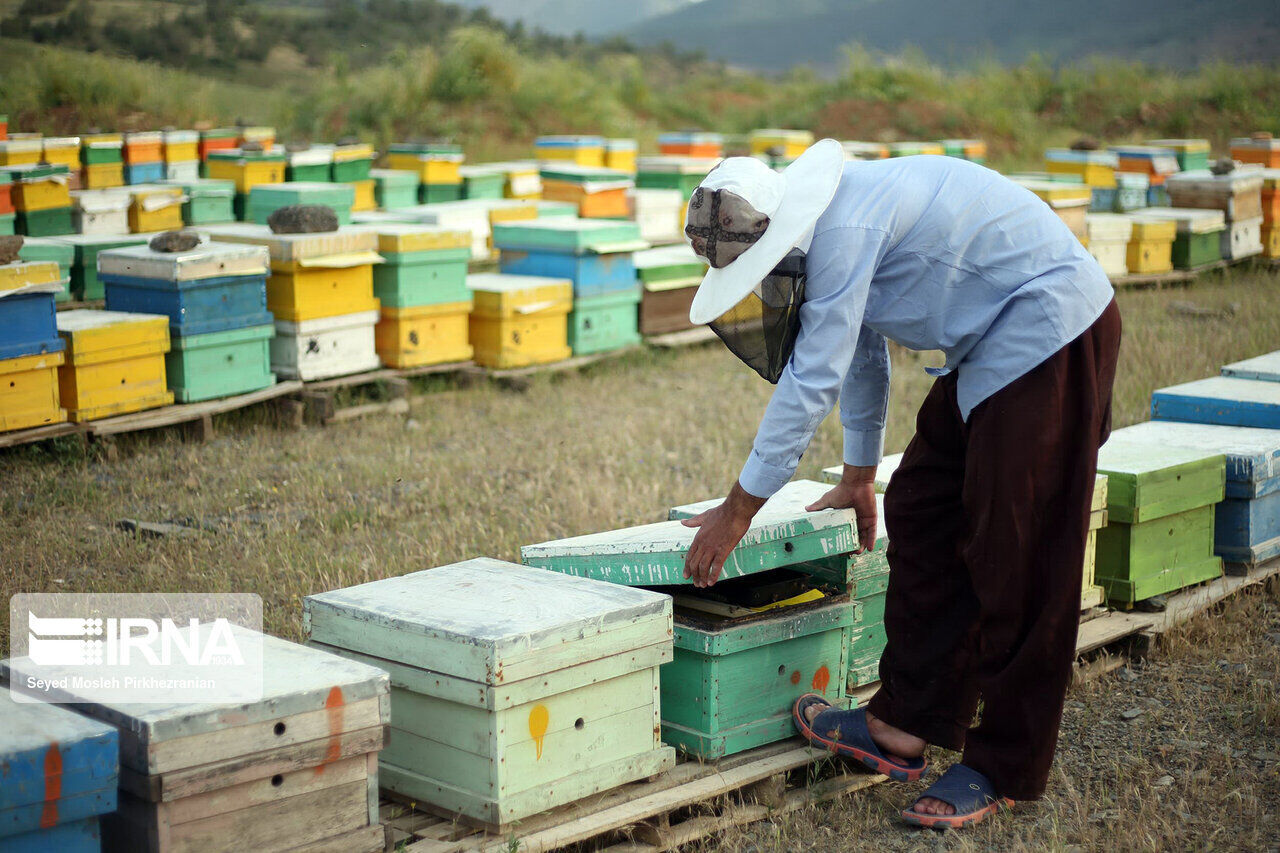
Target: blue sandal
x=964, y=789
x=845, y=733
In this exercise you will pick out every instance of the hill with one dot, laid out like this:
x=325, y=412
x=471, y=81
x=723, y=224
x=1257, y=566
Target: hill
x=567, y=17
x=766, y=35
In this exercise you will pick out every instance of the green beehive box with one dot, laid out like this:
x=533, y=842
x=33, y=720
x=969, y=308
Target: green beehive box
x=604, y=323
x=1192, y=251
x=219, y=364
x=395, y=188
x=561, y=234
x=1199, y=239
x=209, y=201
x=673, y=173
x=1160, y=507
x=44, y=223
x=432, y=193
x=7, y=223
x=309, y=165
x=513, y=690
x=51, y=249
x=84, y=269
x=100, y=153
x=482, y=182
x=411, y=279
x=266, y=199
x=350, y=171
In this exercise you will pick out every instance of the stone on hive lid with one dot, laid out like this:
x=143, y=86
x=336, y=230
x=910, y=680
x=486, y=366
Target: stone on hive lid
x=174, y=241
x=303, y=219
x=10, y=246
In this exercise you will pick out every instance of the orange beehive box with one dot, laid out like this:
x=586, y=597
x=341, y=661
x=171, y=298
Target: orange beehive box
x=1261, y=148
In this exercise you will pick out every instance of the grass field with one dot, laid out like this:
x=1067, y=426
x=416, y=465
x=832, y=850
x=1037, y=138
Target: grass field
x=479, y=471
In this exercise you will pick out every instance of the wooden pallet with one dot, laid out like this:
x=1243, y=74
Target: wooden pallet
x=43, y=433
x=1160, y=279
x=690, y=802
x=198, y=414
x=518, y=378
x=688, y=337
x=317, y=402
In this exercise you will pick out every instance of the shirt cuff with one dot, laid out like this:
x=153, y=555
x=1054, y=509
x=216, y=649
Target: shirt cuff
x=760, y=479
x=863, y=448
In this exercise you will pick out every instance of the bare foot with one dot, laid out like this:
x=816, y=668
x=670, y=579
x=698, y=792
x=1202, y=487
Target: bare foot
x=928, y=805
x=898, y=746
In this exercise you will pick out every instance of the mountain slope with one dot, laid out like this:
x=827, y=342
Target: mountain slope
x=763, y=34
x=568, y=17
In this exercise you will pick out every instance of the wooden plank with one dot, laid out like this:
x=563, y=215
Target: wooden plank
x=183, y=413
x=353, y=380
x=560, y=366
x=1149, y=279
x=369, y=839
x=1105, y=630
x=688, y=337
x=398, y=406
x=1188, y=603
x=26, y=436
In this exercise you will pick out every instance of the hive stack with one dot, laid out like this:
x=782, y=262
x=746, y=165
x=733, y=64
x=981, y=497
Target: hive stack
x=585, y=151
x=60, y=775
x=155, y=207
x=855, y=150
x=63, y=151
x=620, y=155
x=215, y=139
x=523, y=180
x=483, y=182
x=293, y=770
x=673, y=173
x=1192, y=154
x=1091, y=594
x=973, y=150
x=513, y=690
x=658, y=213
x=1157, y=164
x=1150, y=250
x=437, y=165
x=477, y=217
x=266, y=199
x=209, y=201
x=1198, y=243
x=693, y=144
x=1096, y=169
x=422, y=288
x=247, y=169
x=310, y=164
x=255, y=135
x=519, y=320
x=216, y=300
x=30, y=349
x=1132, y=191
x=41, y=200
x=1160, y=516
x=1247, y=521
x=669, y=276
x=1109, y=235
x=321, y=294
x=6, y=204
x=114, y=363
x=1237, y=194
x=85, y=284
x=395, y=189
x=181, y=155
x=598, y=257
x=351, y=165
x=1271, y=213
x=1261, y=148
x=911, y=149
x=144, y=157
x=780, y=145
x=1223, y=400
x=101, y=161
x=100, y=211
x=745, y=649
x=1069, y=200
x=51, y=249
x=598, y=193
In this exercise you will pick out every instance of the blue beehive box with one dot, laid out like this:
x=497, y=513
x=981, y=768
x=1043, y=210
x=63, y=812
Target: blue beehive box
x=1222, y=400
x=58, y=772
x=1247, y=521
x=143, y=173
x=592, y=274
x=211, y=288
x=28, y=291
x=1263, y=367
x=596, y=255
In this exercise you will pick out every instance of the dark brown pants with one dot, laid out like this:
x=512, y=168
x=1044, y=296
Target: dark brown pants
x=987, y=522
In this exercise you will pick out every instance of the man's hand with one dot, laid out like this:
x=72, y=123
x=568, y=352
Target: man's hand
x=720, y=531
x=856, y=489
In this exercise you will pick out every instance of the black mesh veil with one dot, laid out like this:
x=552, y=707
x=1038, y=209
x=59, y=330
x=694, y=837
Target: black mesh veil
x=761, y=329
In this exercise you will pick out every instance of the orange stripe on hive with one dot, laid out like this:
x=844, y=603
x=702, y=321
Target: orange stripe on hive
x=821, y=679
x=539, y=720
x=52, y=786
x=335, y=705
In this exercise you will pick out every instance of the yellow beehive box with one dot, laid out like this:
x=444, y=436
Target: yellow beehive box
x=114, y=363
x=247, y=172
x=29, y=391
x=102, y=176
x=346, y=153
x=425, y=334
x=1151, y=246
x=401, y=238
x=365, y=197
x=1271, y=241
x=264, y=136
x=583, y=150
x=63, y=150
x=14, y=276
x=20, y=152
x=155, y=208
x=776, y=142
x=430, y=168
x=42, y=190
x=181, y=146
x=518, y=320
x=1092, y=595
x=620, y=155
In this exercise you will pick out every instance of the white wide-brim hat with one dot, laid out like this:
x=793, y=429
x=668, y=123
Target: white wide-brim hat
x=792, y=199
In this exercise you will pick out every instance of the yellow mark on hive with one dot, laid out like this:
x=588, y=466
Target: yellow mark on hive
x=539, y=718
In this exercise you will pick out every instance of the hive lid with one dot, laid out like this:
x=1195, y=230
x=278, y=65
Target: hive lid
x=1249, y=143
x=101, y=201
x=144, y=137
x=303, y=192
x=180, y=137
x=208, y=260
x=1113, y=227
x=568, y=141
x=30, y=277
x=87, y=246
x=349, y=153
x=1264, y=367
x=676, y=165
x=37, y=172
x=585, y=175
x=653, y=554
x=1151, y=480
x=489, y=621
x=103, y=140
x=667, y=263
x=1241, y=180
x=273, y=155
x=403, y=237
x=1190, y=220
x=316, y=155
x=402, y=178
x=620, y=145
x=1098, y=158
x=578, y=236
x=87, y=751
x=690, y=137
x=787, y=503
x=204, y=187
x=47, y=249
x=502, y=295
x=93, y=335
x=1184, y=145
x=316, y=248
x=1253, y=455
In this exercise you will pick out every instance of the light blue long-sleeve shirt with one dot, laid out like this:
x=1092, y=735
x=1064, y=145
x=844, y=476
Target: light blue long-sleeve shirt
x=935, y=253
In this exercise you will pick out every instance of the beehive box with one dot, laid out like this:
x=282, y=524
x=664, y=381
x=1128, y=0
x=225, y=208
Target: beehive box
x=20, y=152
x=424, y=334
x=211, y=288
x=7, y=223
x=217, y=139
x=673, y=173
x=294, y=770
x=422, y=265
x=351, y=163
x=51, y=249
x=1247, y=521
x=155, y=207
x=519, y=320
x=44, y=223
x=1160, y=508
x=913, y=148
x=1198, y=242
x=100, y=211
x=181, y=146
x=29, y=391
x=1222, y=400
x=99, y=149
x=1069, y=200
x=28, y=291
x=1263, y=367
x=523, y=179
x=6, y=194
x=582, y=150
x=38, y=188
x=186, y=170
x=789, y=144
x=1271, y=241
x=1242, y=238
x=1131, y=191
x=478, y=216
x=670, y=276
x=1157, y=163
x=1109, y=235
x=658, y=213
x=325, y=347
x=483, y=182
x=114, y=363
x=1237, y=194
x=605, y=322
x=513, y=690
x=1095, y=168
x=1191, y=153
x=1270, y=196
x=394, y=188
x=366, y=195
x=1150, y=249
x=102, y=176
x=435, y=163
x=1262, y=149
x=136, y=174
x=220, y=364
x=598, y=193
x=61, y=150
x=144, y=147
x=313, y=276
x=261, y=134
x=859, y=150
x=596, y=255
x=247, y=169
x=973, y=150
x=1092, y=595
x=208, y=200
x=60, y=775
x=266, y=199
x=692, y=144
x=85, y=284
x=620, y=154
x=309, y=165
